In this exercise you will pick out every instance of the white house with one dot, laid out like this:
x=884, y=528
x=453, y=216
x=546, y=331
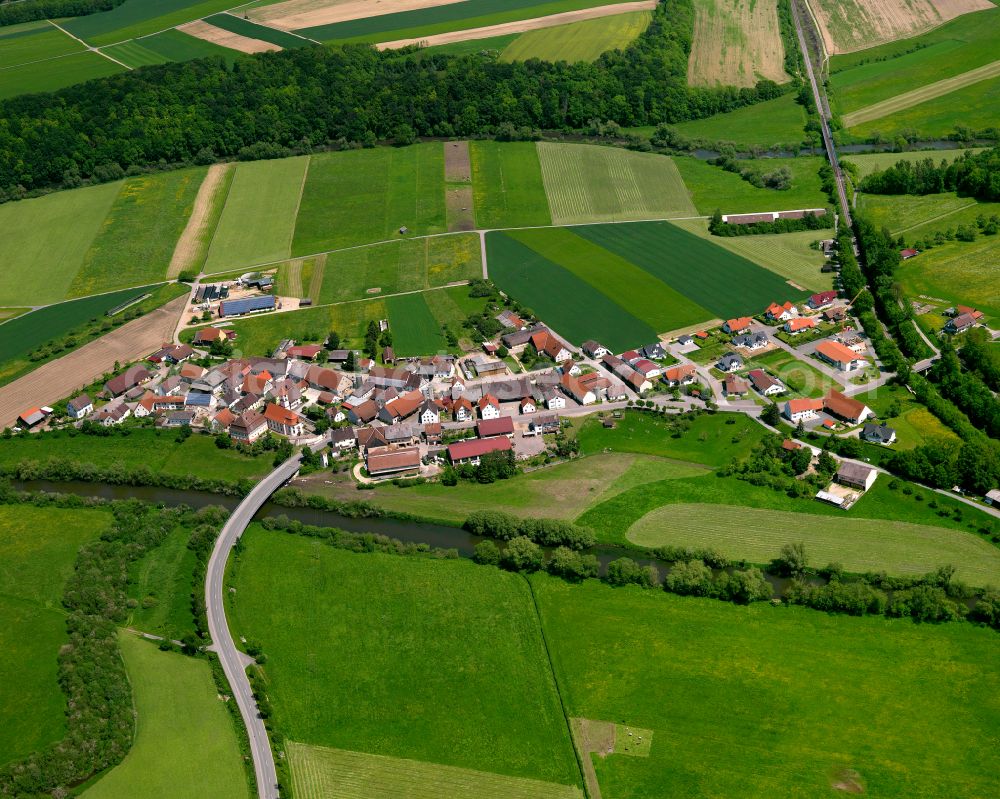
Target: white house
x=489, y=407
x=79, y=407
x=799, y=410
x=429, y=413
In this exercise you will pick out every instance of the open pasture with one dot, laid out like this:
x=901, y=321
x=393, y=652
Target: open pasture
x=780, y=121
x=364, y=196
x=137, y=238
x=762, y=701
x=871, y=76
x=507, y=185
x=169, y=45
x=573, y=307
x=586, y=183
x=859, y=544
x=409, y=265
x=55, y=73
x=410, y=687
x=787, y=254
x=669, y=253
x=319, y=772
x=628, y=286
x=578, y=41
x=258, y=219
x=712, y=187
x=415, y=331
x=850, y=25
x=736, y=43
x=38, y=548
x=958, y=272
x=46, y=240
x=185, y=741
x=35, y=41
x=922, y=220
x=135, y=18
x=454, y=16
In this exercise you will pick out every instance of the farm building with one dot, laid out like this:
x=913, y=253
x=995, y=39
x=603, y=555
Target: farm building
x=855, y=475
x=31, y=418
x=487, y=428
x=249, y=305
x=472, y=450
x=798, y=410
x=392, y=461
x=843, y=407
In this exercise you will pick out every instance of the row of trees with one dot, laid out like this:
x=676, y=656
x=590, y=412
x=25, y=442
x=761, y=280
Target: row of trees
x=273, y=104
x=973, y=174
x=547, y=532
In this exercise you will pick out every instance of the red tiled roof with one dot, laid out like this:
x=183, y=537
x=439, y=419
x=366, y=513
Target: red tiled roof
x=477, y=447
x=495, y=427
x=836, y=352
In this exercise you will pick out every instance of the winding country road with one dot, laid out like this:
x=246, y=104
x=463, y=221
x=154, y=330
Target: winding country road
x=233, y=661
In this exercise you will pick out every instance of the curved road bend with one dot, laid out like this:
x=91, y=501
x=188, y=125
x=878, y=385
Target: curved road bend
x=233, y=661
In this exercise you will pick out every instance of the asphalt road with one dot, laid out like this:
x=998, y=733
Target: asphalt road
x=222, y=641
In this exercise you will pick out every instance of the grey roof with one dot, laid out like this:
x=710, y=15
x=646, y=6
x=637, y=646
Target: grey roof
x=237, y=307
x=730, y=359
x=881, y=432
x=854, y=472
x=77, y=403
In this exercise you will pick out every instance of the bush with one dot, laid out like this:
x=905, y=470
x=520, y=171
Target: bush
x=522, y=554
x=487, y=553
x=625, y=571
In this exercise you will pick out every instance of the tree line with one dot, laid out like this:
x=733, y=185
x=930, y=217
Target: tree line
x=12, y=13
x=275, y=104
x=972, y=175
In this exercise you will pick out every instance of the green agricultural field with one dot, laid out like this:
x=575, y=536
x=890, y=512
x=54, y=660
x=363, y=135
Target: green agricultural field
x=870, y=76
x=6, y=314
x=775, y=122
x=414, y=329
x=259, y=335
x=704, y=273
x=251, y=30
x=604, y=184
x=451, y=306
x=957, y=272
x=156, y=450
x=31, y=42
x=410, y=687
x=557, y=492
x=38, y=548
x=258, y=220
x=135, y=18
x=579, y=41
x=443, y=19
x=798, y=375
x=920, y=217
x=974, y=107
x=765, y=701
x=185, y=740
x=710, y=441
x=169, y=45
x=365, y=196
x=493, y=44
x=573, y=307
x=507, y=185
x=138, y=236
x=873, y=162
x=409, y=265
x=630, y=287
x=319, y=772
x=712, y=187
x=46, y=239
x=55, y=73
x=787, y=254
x=161, y=584
x=860, y=545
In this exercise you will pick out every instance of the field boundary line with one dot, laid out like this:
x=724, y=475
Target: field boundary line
x=923, y=94
x=936, y=218
x=555, y=683
x=89, y=47
x=218, y=222
x=298, y=206
x=42, y=60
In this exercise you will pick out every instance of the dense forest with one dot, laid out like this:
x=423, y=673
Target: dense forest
x=273, y=104
x=972, y=175
x=13, y=12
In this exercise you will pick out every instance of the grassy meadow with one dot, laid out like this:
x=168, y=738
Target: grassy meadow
x=873, y=162
x=712, y=187
x=507, y=185
x=957, y=272
x=914, y=424
x=586, y=183
x=410, y=687
x=778, y=121
x=859, y=545
x=38, y=548
x=186, y=744
x=259, y=216
x=363, y=196
x=415, y=331
x=30, y=42
x=161, y=584
x=578, y=41
x=761, y=701
x=55, y=73
x=787, y=254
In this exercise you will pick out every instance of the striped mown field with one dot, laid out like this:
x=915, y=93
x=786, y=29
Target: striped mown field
x=860, y=545
x=579, y=41
x=319, y=772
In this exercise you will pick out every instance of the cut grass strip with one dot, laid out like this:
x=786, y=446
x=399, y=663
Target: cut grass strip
x=921, y=95
x=318, y=271
x=579, y=41
x=860, y=545
x=586, y=183
x=259, y=216
x=507, y=185
x=319, y=772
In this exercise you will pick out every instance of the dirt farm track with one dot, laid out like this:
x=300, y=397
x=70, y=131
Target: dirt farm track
x=56, y=379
